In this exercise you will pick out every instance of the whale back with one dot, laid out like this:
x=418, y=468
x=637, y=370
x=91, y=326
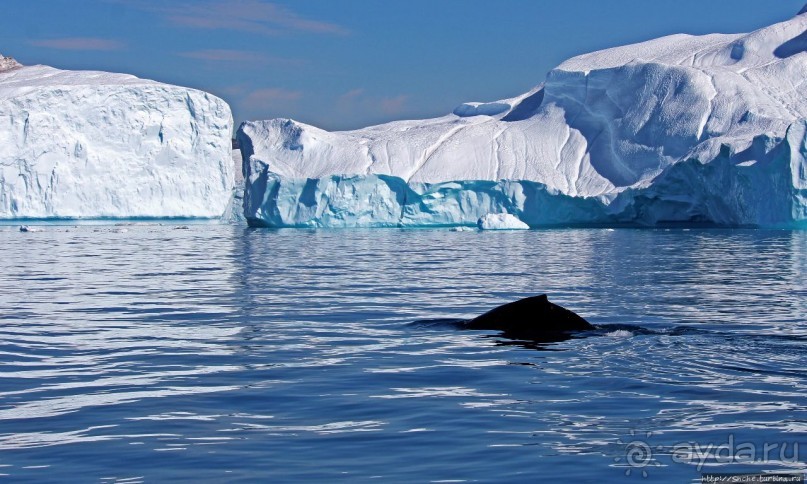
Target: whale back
x=530, y=316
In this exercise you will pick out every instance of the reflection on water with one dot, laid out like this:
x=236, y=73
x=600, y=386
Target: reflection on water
x=229, y=353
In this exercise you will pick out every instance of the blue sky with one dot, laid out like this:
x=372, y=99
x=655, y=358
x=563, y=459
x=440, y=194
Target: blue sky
x=342, y=64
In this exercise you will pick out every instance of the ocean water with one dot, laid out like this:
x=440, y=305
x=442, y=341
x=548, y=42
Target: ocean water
x=219, y=353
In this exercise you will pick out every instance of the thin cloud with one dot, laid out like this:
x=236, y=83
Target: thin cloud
x=358, y=100
x=256, y=16
x=79, y=43
x=272, y=95
x=350, y=97
x=393, y=105
x=235, y=90
x=239, y=56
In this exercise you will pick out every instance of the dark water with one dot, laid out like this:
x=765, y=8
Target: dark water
x=222, y=353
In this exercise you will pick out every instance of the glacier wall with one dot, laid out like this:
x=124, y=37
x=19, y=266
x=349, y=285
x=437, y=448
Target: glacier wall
x=80, y=144
x=682, y=129
x=388, y=201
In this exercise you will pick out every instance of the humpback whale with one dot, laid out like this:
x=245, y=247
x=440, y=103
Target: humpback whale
x=533, y=318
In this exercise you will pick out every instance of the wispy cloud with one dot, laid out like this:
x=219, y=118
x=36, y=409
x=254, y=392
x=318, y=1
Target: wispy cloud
x=272, y=95
x=393, y=105
x=79, y=43
x=348, y=99
x=235, y=90
x=358, y=100
x=256, y=16
x=239, y=56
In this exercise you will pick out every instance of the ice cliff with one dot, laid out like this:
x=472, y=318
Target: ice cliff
x=706, y=129
x=77, y=144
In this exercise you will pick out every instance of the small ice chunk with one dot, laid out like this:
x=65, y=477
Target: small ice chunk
x=26, y=228
x=501, y=221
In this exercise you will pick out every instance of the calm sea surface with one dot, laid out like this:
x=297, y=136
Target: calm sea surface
x=220, y=353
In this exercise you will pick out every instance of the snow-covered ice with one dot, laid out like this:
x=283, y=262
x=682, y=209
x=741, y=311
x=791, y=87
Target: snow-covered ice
x=8, y=63
x=83, y=144
x=501, y=221
x=678, y=129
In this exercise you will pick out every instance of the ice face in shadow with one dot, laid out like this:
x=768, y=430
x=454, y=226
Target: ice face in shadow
x=794, y=46
x=82, y=144
x=706, y=129
x=386, y=201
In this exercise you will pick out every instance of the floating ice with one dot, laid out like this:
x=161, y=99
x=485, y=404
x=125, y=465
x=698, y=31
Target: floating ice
x=683, y=129
x=100, y=145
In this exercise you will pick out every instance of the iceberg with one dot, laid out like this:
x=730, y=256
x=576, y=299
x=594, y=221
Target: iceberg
x=83, y=144
x=681, y=129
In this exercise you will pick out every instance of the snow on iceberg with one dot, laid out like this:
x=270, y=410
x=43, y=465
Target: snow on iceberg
x=501, y=221
x=682, y=129
x=8, y=63
x=77, y=144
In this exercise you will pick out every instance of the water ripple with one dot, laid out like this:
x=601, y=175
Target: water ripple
x=244, y=355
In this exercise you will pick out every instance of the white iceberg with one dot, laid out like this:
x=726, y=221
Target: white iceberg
x=679, y=129
x=82, y=144
x=501, y=221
